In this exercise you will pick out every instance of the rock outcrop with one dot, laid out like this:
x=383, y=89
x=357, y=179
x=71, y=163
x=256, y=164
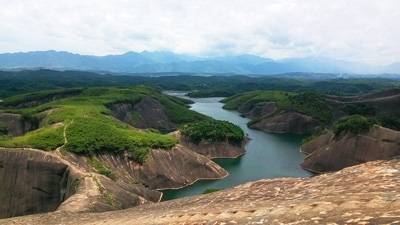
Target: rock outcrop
x=147, y=113
x=329, y=153
x=32, y=182
x=177, y=168
x=16, y=124
x=216, y=149
x=260, y=109
x=362, y=194
x=286, y=122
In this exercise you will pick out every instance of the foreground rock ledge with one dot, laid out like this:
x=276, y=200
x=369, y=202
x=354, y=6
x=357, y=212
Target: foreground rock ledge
x=364, y=194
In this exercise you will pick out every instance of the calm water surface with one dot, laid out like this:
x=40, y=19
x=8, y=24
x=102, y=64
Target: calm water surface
x=267, y=156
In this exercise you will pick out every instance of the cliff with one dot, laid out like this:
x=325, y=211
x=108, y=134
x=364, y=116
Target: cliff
x=286, y=122
x=147, y=113
x=66, y=182
x=362, y=194
x=16, y=124
x=329, y=153
x=213, y=150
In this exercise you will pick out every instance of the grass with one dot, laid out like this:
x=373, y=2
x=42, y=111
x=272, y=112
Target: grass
x=46, y=138
x=213, y=131
x=101, y=168
x=92, y=129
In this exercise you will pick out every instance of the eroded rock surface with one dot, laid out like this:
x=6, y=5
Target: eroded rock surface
x=147, y=113
x=177, y=168
x=364, y=194
x=32, y=182
x=286, y=122
x=330, y=153
x=16, y=125
x=261, y=109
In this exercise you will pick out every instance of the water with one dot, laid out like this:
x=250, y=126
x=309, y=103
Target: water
x=267, y=156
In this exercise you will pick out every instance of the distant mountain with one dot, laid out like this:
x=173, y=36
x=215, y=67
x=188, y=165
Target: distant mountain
x=163, y=61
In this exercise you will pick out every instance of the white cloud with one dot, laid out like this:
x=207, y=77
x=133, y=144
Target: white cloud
x=357, y=30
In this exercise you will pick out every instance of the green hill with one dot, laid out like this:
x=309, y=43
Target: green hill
x=81, y=121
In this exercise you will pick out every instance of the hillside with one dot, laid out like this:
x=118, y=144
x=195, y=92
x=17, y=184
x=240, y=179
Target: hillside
x=307, y=112
x=198, y=85
x=100, y=149
x=282, y=112
x=363, y=194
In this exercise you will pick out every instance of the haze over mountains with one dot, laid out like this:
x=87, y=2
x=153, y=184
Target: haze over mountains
x=164, y=61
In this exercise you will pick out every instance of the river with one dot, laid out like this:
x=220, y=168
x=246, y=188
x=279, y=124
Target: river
x=267, y=155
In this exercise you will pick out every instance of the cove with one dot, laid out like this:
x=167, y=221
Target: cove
x=267, y=155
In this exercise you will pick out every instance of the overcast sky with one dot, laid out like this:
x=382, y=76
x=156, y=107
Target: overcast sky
x=357, y=30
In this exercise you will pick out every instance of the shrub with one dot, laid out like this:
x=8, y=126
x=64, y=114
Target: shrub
x=210, y=190
x=389, y=122
x=213, y=131
x=101, y=168
x=311, y=104
x=360, y=109
x=354, y=124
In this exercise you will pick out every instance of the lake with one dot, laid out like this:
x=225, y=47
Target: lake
x=267, y=156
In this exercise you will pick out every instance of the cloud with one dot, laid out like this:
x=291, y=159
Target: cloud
x=357, y=30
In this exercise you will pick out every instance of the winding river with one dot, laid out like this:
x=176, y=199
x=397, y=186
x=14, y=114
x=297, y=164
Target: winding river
x=267, y=156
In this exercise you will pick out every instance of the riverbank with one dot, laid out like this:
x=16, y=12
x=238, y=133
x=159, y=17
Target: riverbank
x=267, y=155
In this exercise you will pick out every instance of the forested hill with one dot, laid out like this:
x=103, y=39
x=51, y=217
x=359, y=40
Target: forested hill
x=18, y=82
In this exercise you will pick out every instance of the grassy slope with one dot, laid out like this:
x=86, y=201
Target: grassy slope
x=89, y=128
x=307, y=103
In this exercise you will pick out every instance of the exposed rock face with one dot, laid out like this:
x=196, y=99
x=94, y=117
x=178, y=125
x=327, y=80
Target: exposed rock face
x=49, y=178
x=363, y=194
x=261, y=109
x=177, y=168
x=216, y=149
x=31, y=182
x=330, y=153
x=287, y=122
x=16, y=125
x=147, y=113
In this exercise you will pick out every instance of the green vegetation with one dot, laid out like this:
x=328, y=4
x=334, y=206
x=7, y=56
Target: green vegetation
x=46, y=138
x=389, y=122
x=89, y=126
x=359, y=109
x=213, y=131
x=280, y=97
x=39, y=97
x=101, y=168
x=306, y=102
x=3, y=129
x=354, y=124
x=18, y=82
x=210, y=190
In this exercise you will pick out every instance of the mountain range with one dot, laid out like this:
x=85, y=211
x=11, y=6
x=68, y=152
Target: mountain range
x=164, y=61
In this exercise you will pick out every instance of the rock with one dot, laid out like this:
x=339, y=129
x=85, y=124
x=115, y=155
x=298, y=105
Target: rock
x=287, y=122
x=16, y=125
x=178, y=168
x=260, y=109
x=147, y=113
x=330, y=153
x=215, y=149
x=32, y=182
x=364, y=194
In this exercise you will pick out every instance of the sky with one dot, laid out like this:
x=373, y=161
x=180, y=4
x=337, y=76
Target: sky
x=365, y=31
